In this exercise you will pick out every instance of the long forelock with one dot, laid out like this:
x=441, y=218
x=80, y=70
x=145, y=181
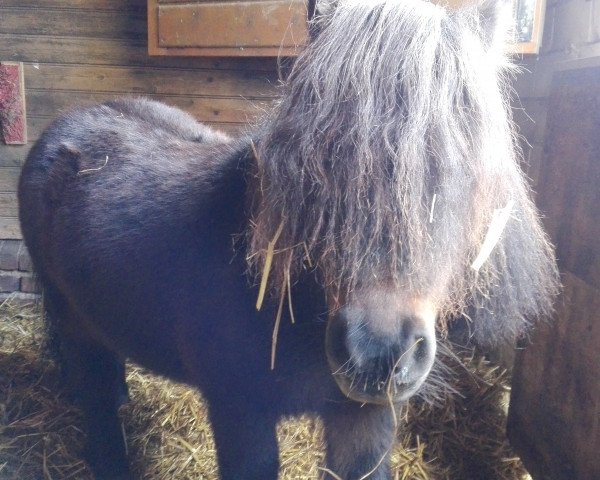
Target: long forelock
x=388, y=155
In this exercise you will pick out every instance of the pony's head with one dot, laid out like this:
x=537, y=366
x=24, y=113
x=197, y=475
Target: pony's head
x=387, y=166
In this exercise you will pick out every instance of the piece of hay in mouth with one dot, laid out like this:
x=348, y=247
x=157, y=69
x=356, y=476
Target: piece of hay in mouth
x=169, y=437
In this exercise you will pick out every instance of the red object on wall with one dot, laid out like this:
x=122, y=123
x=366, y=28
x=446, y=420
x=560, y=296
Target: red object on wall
x=12, y=103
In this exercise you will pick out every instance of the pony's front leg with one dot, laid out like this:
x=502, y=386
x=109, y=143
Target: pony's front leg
x=94, y=379
x=359, y=441
x=99, y=379
x=246, y=443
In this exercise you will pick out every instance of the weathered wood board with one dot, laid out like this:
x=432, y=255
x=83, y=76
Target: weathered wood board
x=233, y=28
x=12, y=103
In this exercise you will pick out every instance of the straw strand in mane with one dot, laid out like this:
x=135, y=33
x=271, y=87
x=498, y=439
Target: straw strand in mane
x=391, y=104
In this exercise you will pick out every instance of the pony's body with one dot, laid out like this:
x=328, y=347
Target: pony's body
x=154, y=255
x=143, y=225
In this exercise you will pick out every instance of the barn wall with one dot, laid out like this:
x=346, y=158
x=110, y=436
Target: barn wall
x=554, y=420
x=85, y=51
x=571, y=40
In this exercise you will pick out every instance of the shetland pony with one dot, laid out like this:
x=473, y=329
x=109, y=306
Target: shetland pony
x=378, y=203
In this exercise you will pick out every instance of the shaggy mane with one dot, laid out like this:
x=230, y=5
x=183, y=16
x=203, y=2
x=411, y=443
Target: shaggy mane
x=386, y=159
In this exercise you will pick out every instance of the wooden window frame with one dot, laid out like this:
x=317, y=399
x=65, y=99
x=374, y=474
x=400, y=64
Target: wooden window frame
x=532, y=47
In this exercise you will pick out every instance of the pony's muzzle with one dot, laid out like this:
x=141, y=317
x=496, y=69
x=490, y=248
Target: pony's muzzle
x=379, y=367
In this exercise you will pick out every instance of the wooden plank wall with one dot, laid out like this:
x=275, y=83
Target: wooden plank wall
x=555, y=407
x=554, y=420
x=86, y=51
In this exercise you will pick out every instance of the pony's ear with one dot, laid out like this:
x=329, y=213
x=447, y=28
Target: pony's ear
x=319, y=12
x=496, y=22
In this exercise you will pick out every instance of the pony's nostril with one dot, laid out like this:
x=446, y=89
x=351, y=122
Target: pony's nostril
x=421, y=347
x=413, y=358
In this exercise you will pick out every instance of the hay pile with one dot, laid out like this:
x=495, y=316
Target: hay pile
x=169, y=437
